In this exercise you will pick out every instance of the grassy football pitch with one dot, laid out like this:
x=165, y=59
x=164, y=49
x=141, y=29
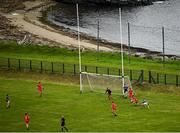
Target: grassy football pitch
x=83, y=112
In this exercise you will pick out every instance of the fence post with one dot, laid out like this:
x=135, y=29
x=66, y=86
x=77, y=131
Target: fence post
x=142, y=76
x=41, y=66
x=130, y=75
x=163, y=46
x=97, y=40
x=85, y=68
x=157, y=78
x=19, y=62
x=108, y=70
x=96, y=70
x=129, y=42
x=149, y=76
x=177, y=78
x=119, y=72
x=52, y=67
x=63, y=69
x=165, y=79
x=30, y=65
x=74, y=69
x=8, y=63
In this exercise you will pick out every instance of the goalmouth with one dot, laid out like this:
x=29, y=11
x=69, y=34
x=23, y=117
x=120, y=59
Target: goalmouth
x=92, y=82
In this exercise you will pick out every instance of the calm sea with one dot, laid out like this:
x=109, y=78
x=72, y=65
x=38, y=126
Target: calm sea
x=146, y=23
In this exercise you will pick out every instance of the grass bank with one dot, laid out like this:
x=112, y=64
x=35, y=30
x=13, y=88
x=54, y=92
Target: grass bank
x=102, y=59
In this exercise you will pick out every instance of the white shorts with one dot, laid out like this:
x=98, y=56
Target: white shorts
x=8, y=103
x=145, y=103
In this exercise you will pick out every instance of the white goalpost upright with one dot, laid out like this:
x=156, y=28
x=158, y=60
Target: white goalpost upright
x=122, y=56
x=79, y=43
x=99, y=82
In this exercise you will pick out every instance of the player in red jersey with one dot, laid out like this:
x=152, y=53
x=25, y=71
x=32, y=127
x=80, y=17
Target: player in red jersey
x=130, y=92
x=113, y=107
x=40, y=88
x=26, y=120
x=134, y=100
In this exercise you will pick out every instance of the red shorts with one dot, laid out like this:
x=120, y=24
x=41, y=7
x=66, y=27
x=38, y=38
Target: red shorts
x=130, y=95
x=26, y=122
x=40, y=91
x=113, y=110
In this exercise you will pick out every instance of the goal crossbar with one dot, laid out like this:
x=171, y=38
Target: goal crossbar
x=105, y=75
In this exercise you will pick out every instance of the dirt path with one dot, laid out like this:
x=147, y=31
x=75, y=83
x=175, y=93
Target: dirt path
x=37, y=29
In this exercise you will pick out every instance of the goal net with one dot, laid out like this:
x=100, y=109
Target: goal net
x=92, y=82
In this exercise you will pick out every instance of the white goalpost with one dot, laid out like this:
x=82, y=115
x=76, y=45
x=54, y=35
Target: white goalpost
x=122, y=56
x=79, y=43
x=99, y=82
x=92, y=82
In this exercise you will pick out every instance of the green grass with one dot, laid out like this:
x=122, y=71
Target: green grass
x=86, y=112
x=113, y=60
